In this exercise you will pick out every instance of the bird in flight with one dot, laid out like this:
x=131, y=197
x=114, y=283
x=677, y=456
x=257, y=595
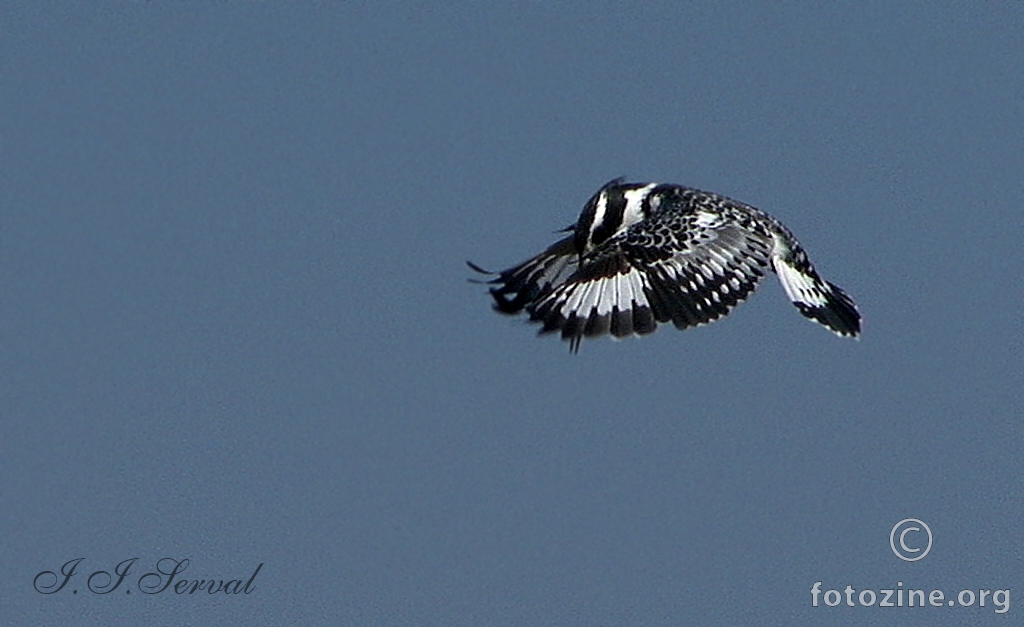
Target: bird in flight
x=641, y=254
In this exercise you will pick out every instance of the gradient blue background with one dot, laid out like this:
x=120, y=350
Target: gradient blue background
x=235, y=324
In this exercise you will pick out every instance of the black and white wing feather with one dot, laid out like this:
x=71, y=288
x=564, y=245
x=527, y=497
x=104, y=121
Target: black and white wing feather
x=687, y=269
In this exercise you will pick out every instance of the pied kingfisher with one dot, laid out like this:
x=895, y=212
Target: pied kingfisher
x=644, y=253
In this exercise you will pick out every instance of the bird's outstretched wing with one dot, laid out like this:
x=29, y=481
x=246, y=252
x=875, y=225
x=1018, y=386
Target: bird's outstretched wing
x=688, y=268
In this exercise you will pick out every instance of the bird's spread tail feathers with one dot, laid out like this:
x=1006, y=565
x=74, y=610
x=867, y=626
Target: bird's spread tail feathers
x=519, y=286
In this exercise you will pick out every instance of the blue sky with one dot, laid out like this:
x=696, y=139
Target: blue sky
x=235, y=325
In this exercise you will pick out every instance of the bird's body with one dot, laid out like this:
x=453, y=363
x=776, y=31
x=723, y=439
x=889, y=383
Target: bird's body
x=644, y=253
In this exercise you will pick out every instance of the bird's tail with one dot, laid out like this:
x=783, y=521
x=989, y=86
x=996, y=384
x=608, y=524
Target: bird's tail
x=520, y=285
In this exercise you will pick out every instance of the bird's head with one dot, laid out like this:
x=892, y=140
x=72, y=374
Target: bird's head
x=614, y=207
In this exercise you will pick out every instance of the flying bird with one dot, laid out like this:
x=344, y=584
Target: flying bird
x=641, y=254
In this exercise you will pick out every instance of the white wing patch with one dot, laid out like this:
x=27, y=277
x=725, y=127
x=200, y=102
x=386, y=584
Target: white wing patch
x=601, y=296
x=615, y=303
